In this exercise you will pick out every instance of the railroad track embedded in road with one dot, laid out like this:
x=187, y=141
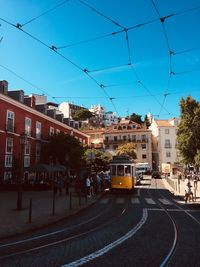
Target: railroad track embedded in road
x=9, y=249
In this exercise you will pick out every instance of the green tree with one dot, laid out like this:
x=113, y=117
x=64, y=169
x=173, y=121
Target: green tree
x=127, y=149
x=188, y=138
x=197, y=158
x=97, y=158
x=66, y=150
x=146, y=121
x=136, y=118
x=82, y=114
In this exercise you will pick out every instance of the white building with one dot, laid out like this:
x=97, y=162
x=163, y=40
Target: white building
x=164, y=142
x=110, y=118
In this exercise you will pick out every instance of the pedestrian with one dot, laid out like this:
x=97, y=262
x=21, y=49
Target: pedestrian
x=88, y=186
x=188, y=191
x=91, y=186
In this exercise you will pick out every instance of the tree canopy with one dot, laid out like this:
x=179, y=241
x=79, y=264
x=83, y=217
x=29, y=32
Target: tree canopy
x=82, y=114
x=127, y=149
x=146, y=121
x=97, y=158
x=188, y=137
x=65, y=149
x=136, y=118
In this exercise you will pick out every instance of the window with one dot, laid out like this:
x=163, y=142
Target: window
x=120, y=170
x=57, y=131
x=124, y=138
x=134, y=138
x=10, y=121
x=144, y=156
x=167, y=143
x=37, y=152
x=133, y=126
x=166, y=131
x=144, y=146
x=144, y=138
x=115, y=138
x=27, y=149
x=8, y=160
x=168, y=154
x=38, y=130
x=26, y=161
x=51, y=131
x=28, y=126
x=9, y=145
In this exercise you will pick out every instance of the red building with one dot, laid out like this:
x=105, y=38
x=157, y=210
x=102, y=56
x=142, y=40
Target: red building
x=23, y=129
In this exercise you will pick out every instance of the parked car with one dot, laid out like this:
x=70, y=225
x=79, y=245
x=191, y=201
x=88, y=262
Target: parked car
x=156, y=174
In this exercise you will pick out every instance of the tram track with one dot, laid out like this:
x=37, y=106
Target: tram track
x=168, y=259
x=172, y=249
x=9, y=250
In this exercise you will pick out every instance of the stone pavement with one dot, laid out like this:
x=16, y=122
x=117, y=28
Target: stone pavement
x=178, y=188
x=13, y=221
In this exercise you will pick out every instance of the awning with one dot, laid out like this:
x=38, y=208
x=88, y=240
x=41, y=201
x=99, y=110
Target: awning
x=47, y=168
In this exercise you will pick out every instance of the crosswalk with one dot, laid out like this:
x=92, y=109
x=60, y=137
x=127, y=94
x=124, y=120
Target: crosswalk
x=137, y=200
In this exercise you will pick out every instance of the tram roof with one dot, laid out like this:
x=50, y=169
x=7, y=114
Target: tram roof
x=121, y=159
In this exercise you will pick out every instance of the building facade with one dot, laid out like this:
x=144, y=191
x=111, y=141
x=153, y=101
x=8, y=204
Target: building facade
x=23, y=130
x=164, y=142
x=125, y=132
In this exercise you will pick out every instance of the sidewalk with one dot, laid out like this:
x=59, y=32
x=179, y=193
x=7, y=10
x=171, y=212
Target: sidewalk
x=13, y=221
x=178, y=188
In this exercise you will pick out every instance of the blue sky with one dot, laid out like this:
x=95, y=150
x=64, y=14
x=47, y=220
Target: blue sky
x=138, y=88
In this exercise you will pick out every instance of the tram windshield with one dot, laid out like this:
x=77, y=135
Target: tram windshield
x=127, y=170
x=120, y=170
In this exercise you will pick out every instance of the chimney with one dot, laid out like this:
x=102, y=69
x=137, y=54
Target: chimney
x=29, y=101
x=17, y=95
x=4, y=87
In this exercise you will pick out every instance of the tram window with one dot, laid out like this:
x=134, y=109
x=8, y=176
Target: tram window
x=113, y=170
x=128, y=170
x=120, y=170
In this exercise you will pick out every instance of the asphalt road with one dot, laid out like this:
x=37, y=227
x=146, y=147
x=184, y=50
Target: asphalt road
x=148, y=227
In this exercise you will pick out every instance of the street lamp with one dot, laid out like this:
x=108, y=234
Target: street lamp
x=23, y=141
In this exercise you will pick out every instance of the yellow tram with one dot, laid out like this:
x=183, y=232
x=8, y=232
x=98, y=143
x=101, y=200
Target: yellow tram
x=122, y=171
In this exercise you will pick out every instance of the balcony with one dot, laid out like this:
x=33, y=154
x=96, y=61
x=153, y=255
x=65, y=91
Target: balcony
x=125, y=141
x=168, y=146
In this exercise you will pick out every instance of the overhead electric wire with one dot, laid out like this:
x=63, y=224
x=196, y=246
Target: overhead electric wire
x=89, y=40
x=101, y=14
x=53, y=48
x=128, y=48
x=186, y=51
x=26, y=81
x=162, y=20
x=44, y=13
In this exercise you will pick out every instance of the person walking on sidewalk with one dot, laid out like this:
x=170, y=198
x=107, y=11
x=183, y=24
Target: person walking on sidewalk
x=188, y=191
x=88, y=186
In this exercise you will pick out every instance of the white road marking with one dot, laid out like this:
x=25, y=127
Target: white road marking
x=104, y=201
x=120, y=200
x=150, y=201
x=110, y=246
x=155, y=209
x=135, y=200
x=165, y=201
